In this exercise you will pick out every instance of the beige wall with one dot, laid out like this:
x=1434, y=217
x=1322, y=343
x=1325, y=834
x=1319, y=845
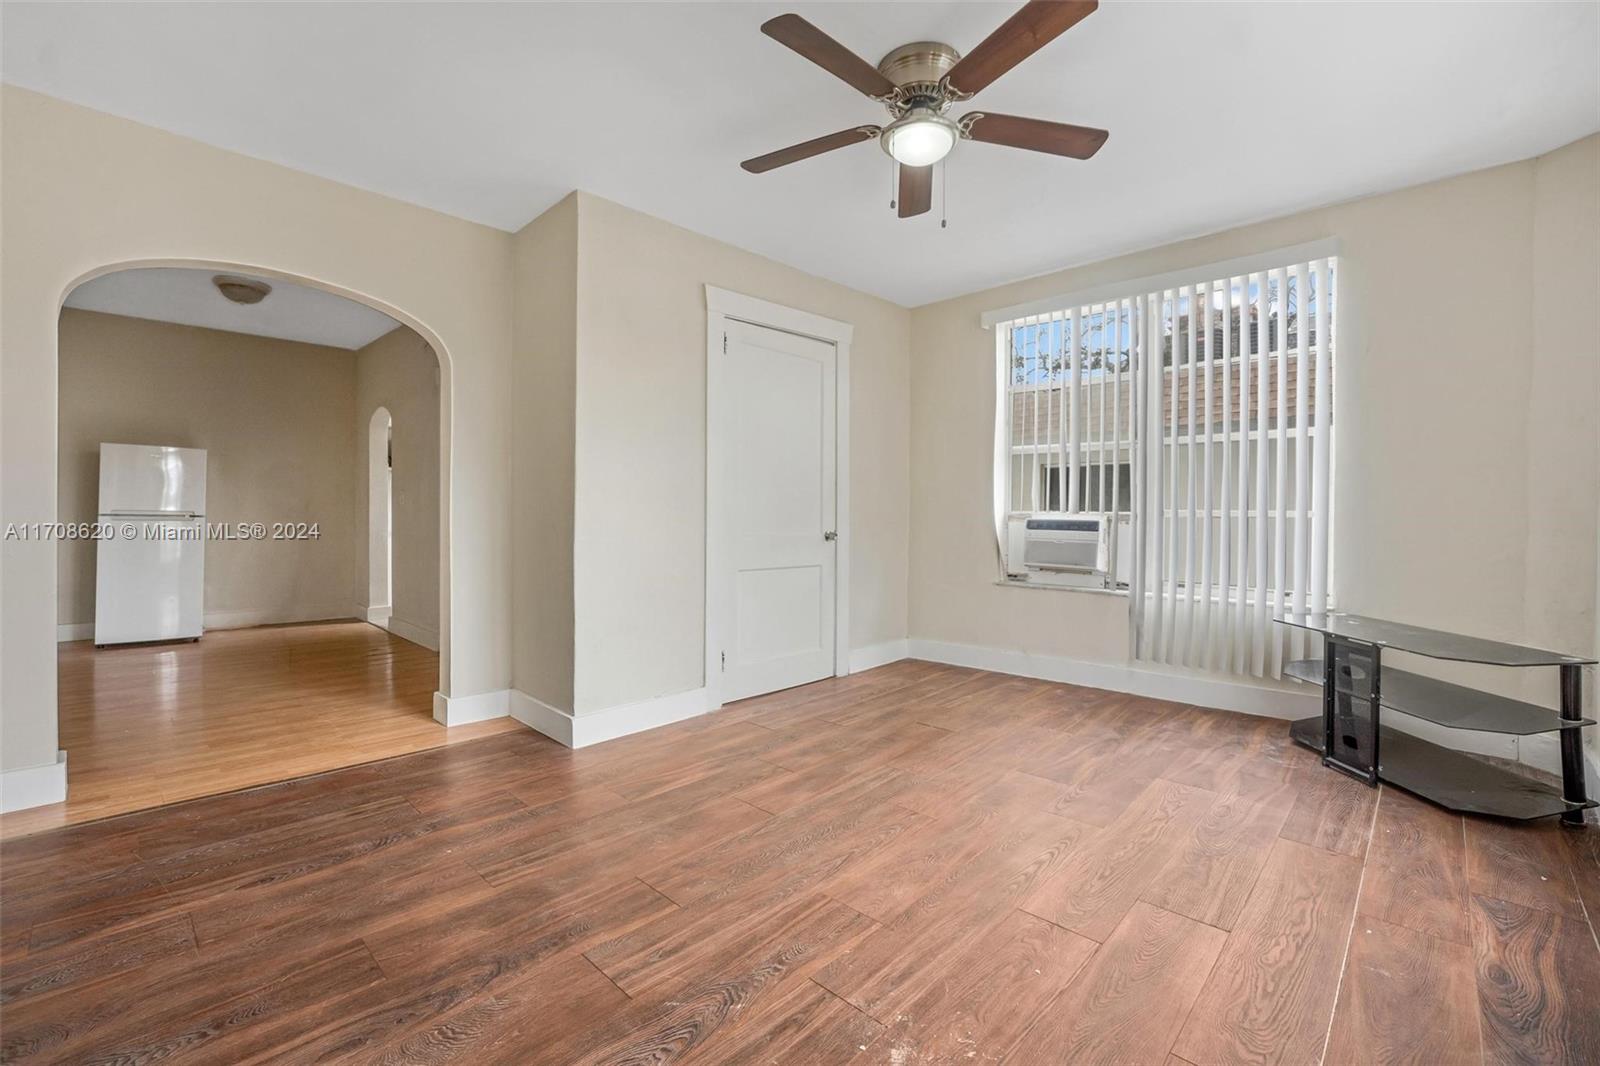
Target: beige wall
x=641, y=414
x=1449, y=508
x=544, y=388
x=400, y=373
x=1563, y=447
x=274, y=419
x=82, y=191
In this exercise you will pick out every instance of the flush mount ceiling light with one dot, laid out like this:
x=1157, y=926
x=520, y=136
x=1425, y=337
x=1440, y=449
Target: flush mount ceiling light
x=241, y=290
x=920, y=138
x=918, y=83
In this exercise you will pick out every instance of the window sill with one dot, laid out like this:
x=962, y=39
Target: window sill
x=1010, y=583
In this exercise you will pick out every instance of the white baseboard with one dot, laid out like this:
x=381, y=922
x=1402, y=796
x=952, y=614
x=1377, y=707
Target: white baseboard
x=428, y=638
x=461, y=710
x=233, y=620
x=890, y=651
x=34, y=786
x=595, y=727
x=1221, y=692
x=378, y=614
x=269, y=617
x=241, y=620
x=541, y=717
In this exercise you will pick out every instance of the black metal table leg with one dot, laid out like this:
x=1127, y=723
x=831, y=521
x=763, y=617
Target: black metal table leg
x=1574, y=789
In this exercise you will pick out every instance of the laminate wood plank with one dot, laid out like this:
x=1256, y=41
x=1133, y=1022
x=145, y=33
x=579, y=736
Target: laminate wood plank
x=1583, y=854
x=1538, y=979
x=114, y=1019
x=669, y=952
x=1222, y=744
x=1522, y=863
x=634, y=853
x=928, y=695
x=895, y=965
x=223, y=1032
x=338, y=902
x=816, y=702
x=1090, y=766
x=271, y=857
x=1331, y=811
x=884, y=885
x=1271, y=994
x=800, y=846
x=652, y=772
x=1406, y=997
x=44, y=971
x=520, y=852
x=966, y=766
x=847, y=748
x=1417, y=868
x=994, y=994
x=652, y=953
x=986, y=703
x=511, y=1025
x=738, y=977
x=1110, y=786
x=473, y=960
x=1128, y=1002
x=1212, y=873
x=1099, y=886
x=807, y=1024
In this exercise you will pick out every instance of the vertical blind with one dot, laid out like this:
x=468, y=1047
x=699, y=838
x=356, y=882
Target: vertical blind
x=1205, y=407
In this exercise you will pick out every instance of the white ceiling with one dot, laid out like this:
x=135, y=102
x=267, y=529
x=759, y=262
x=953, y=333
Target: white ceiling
x=1220, y=113
x=290, y=312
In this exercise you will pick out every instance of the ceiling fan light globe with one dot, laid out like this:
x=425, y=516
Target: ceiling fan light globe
x=920, y=141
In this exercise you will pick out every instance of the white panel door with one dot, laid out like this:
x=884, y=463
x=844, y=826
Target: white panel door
x=778, y=507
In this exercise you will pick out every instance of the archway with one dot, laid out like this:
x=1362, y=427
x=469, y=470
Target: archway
x=407, y=673
x=380, y=517
x=446, y=387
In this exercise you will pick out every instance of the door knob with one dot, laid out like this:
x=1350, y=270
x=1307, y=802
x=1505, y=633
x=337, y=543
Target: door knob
x=830, y=535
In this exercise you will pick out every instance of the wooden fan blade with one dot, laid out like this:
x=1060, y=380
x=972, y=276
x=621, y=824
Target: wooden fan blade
x=806, y=149
x=916, y=190
x=1030, y=29
x=796, y=33
x=1036, y=135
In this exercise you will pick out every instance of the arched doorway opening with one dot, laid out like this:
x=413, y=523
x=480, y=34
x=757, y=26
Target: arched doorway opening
x=286, y=655
x=380, y=516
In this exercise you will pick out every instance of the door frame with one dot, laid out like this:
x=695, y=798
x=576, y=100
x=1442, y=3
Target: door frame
x=724, y=306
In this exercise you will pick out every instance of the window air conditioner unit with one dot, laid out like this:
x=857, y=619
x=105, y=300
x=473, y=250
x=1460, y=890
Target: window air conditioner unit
x=1071, y=550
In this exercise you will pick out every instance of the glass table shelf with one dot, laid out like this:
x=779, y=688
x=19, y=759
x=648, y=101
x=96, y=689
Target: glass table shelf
x=1455, y=706
x=1451, y=778
x=1433, y=643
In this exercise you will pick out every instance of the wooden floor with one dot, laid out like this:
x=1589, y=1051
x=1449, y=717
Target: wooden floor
x=149, y=724
x=916, y=864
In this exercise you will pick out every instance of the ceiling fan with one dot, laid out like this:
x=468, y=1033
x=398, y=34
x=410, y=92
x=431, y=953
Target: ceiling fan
x=918, y=82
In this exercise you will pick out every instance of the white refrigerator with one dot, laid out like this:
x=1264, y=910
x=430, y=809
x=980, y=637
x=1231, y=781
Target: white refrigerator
x=151, y=557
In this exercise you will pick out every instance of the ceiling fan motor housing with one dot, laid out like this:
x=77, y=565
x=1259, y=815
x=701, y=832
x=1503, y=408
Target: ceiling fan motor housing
x=916, y=69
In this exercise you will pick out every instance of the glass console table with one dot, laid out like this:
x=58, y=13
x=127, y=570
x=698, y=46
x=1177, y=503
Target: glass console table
x=1356, y=688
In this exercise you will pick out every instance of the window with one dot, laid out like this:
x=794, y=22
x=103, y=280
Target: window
x=1068, y=406
x=1191, y=404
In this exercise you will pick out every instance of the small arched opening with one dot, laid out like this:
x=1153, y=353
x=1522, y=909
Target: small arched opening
x=380, y=517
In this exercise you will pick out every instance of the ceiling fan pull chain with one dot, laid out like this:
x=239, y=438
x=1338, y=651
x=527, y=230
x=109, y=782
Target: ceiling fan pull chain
x=944, y=194
x=894, y=173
